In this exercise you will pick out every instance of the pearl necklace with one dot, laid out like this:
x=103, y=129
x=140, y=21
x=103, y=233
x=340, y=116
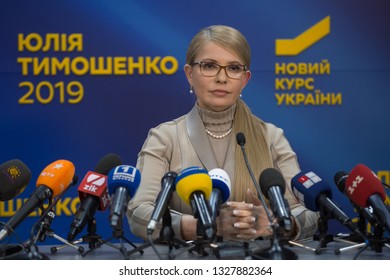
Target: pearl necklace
x=219, y=136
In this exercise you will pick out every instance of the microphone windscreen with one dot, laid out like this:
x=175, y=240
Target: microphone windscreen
x=271, y=177
x=14, y=178
x=339, y=180
x=307, y=186
x=240, y=138
x=124, y=176
x=107, y=163
x=221, y=181
x=57, y=176
x=361, y=184
x=193, y=179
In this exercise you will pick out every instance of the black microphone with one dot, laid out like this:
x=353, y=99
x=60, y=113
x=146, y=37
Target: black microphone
x=93, y=194
x=276, y=251
x=273, y=187
x=240, y=137
x=168, y=185
x=14, y=178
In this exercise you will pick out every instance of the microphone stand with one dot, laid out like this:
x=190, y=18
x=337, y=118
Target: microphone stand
x=375, y=241
x=118, y=233
x=276, y=250
x=166, y=235
x=362, y=228
x=91, y=237
x=45, y=230
x=322, y=237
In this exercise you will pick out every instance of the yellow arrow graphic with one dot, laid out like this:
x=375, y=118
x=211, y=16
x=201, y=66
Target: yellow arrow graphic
x=306, y=39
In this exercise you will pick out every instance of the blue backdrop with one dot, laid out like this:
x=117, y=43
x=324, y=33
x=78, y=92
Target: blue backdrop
x=331, y=98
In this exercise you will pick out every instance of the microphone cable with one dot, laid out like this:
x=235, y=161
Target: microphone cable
x=13, y=249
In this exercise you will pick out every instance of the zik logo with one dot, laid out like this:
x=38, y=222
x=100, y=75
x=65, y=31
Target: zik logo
x=93, y=182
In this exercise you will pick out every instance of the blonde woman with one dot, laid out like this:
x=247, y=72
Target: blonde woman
x=217, y=69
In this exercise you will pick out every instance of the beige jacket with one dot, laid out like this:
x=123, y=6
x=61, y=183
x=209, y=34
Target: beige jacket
x=183, y=142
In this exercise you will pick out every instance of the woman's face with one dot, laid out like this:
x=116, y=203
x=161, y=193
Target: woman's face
x=219, y=92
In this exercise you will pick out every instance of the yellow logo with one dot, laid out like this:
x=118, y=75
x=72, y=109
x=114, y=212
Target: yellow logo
x=291, y=47
x=13, y=172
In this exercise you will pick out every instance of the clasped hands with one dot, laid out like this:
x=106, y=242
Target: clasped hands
x=243, y=220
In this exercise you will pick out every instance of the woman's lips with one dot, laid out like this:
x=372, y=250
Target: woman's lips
x=219, y=92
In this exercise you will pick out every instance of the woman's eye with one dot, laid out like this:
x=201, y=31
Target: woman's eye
x=234, y=68
x=209, y=65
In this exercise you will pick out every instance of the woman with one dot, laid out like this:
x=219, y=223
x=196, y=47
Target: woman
x=217, y=69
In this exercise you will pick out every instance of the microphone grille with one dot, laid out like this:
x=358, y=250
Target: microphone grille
x=107, y=163
x=240, y=137
x=14, y=178
x=271, y=177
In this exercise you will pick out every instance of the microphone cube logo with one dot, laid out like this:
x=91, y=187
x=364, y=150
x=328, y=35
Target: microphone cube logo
x=94, y=184
x=358, y=179
x=309, y=179
x=124, y=173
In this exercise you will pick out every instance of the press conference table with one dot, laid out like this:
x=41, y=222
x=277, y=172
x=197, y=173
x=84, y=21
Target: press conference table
x=304, y=250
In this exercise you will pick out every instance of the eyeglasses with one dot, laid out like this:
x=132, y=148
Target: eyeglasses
x=212, y=69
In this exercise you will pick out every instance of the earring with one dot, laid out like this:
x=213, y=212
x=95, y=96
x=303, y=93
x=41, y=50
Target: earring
x=191, y=90
x=241, y=94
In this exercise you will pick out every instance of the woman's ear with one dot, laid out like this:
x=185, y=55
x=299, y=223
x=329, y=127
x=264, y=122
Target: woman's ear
x=246, y=79
x=188, y=71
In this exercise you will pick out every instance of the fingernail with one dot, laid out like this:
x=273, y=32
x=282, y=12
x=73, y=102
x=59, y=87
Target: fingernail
x=253, y=219
x=250, y=205
x=253, y=231
x=229, y=203
x=236, y=212
x=237, y=225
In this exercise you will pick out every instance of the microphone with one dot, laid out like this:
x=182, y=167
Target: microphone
x=93, y=194
x=52, y=181
x=316, y=194
x=276, y=251
x=168, y=185
x=367, y=212
x=220, y=192
x=273, y=187
x=365, y=189
x=193, y=185
x=14, y=178
x=123, y=182
x=240, y=138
